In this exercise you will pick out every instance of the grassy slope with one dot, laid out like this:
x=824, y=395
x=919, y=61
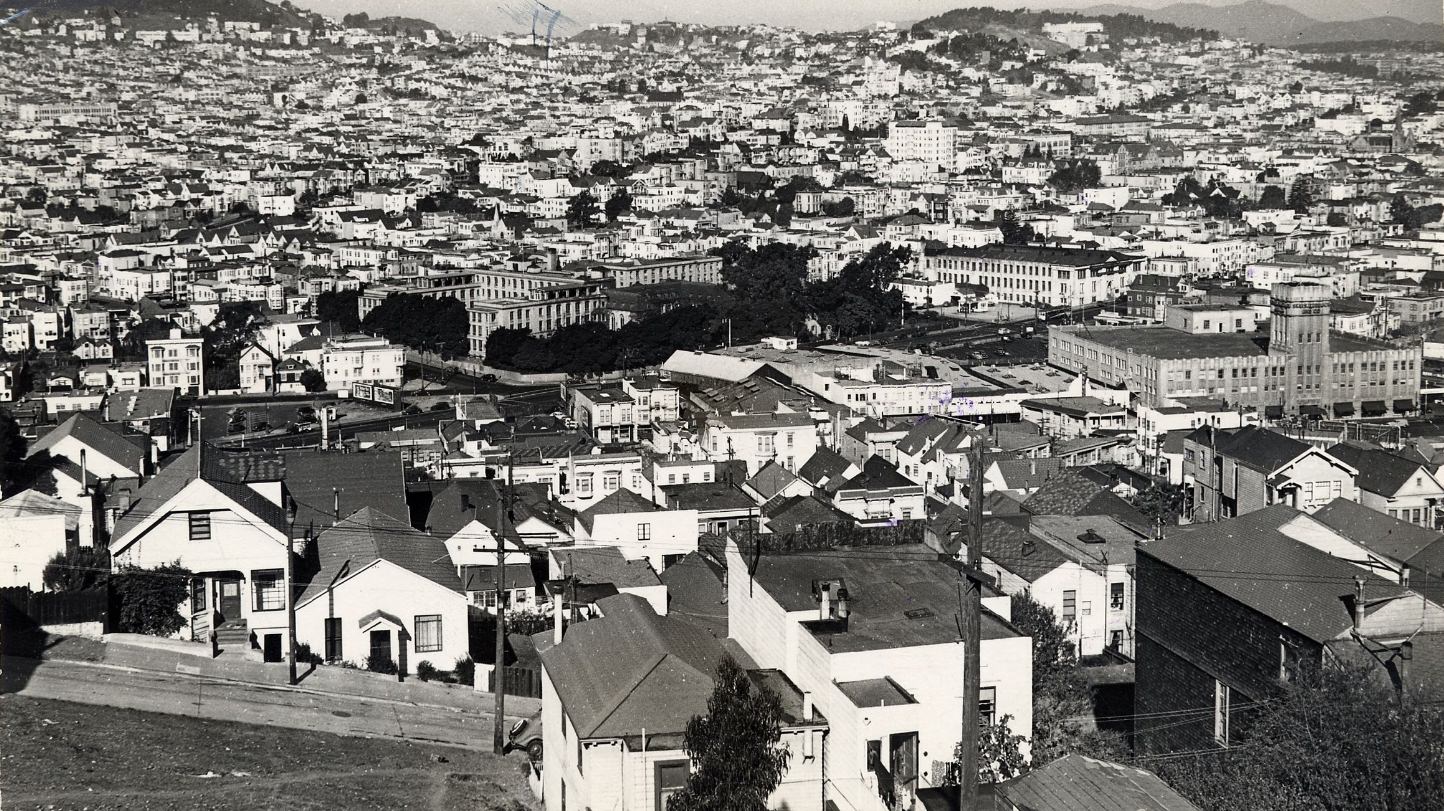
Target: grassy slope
x=58, y=755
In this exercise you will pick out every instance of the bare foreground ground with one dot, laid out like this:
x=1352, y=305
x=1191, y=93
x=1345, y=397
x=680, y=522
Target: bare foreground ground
x=62, y=755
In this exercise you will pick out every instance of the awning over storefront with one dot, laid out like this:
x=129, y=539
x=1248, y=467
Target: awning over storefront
x=1273, y=412
x=1374, y=408
x=1343, y=409
x=1311, y=411
x=1402, y=406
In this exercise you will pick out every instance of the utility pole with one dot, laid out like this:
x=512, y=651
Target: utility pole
x=498, y=687
x=291, y=605
x=972, y=603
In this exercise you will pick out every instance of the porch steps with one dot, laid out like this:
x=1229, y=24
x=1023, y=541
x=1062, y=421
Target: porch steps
x=233, y=636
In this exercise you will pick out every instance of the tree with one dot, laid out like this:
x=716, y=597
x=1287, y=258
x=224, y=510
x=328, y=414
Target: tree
x=313, y=381
x=37, y=194
x=1402, y=213
x=619, y=202
x=582, y=209
x=1014, y=232
x=1301, y=195
x=1075, y=175
x=76, y=569
x=149, y=598
x=1337, y=219
x=430, y=324
x=1332, y=740
x=1061, y=696
x=340, y=308
x=360, y=20
x=734, y=748
x=1272, y=197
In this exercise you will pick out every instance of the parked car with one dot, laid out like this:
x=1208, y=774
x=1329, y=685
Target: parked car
x=526, y=734
x=488, y=378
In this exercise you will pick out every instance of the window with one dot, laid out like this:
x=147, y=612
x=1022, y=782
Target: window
x=987, y=706
x=198, y=595
x=1087, y=608
x=1288, y=661
x=1115, y=596
x=644, y=532
x=200, y=526
x=269, y=587
x=333, y=639
x=1220, y=713
x=611, y=481
x=488, y=599
x=1070, y=605
x=584, y=486
x=428, y=633
x=766, y=444
x=671, y=778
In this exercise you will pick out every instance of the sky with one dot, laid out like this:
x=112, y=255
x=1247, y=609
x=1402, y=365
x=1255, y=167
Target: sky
x=491, y=16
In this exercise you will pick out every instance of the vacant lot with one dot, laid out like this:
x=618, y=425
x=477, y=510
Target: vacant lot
x=59, y=755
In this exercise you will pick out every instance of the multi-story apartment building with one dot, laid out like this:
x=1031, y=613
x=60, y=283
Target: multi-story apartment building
x=176, y=363
x=701, y=269
x=350, y=359
x=1299, y=368
x=1025, y=274
x=932, y=142
x=546, y=311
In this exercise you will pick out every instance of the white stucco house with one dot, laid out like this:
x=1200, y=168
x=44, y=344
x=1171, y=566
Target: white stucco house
x=383, y=588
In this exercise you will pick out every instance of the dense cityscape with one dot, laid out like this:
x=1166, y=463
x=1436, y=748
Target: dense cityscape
x=1005, y=409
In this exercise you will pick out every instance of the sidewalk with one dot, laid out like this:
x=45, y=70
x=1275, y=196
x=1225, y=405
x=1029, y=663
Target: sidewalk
x=179, y=659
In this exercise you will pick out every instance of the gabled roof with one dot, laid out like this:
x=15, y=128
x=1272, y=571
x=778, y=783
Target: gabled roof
x=1079, y=783
x=106, y=440
x=771, y=480
x=1375, y=531
x=1379, y=470
x=786, y=515
x=878, y=474
x=631, y=670
x=1071, y=493
x=617, y=502
x=176, y=477
x=824, y=469
x=368, y=535
x=1249, y=560
x=1258, y=448
x=463, y=501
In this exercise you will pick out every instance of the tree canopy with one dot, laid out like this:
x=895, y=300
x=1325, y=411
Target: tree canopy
x=582, y=209
x=1075, y=175
x=339, y=307
x=430, y=324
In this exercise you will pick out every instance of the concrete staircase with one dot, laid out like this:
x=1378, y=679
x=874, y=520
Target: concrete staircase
x=233, y=636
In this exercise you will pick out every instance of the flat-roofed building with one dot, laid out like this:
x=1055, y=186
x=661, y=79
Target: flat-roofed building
x=1028, y=274
x=1300, y=367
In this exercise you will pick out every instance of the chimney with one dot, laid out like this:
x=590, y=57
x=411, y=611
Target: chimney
x=1404, y=575
x=335, y=505
x=557, y=615
x=1358, y=603
x=842, y=607
x=824, y=604
x=325, y=427
x=807, y=705
x=84, y=480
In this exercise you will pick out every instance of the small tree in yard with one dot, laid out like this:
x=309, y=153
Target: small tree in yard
x=76, y=569
x=737, y=762
x=313, y=381
x=150, y=598
x=1000, y=754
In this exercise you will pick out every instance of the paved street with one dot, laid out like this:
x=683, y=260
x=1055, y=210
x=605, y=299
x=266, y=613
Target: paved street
x=247, y=703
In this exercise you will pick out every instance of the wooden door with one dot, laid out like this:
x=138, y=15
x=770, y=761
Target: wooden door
x=381, y=644
x=229, y=602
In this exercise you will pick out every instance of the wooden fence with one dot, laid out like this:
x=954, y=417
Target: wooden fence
x=20, y=605
x=518, y=681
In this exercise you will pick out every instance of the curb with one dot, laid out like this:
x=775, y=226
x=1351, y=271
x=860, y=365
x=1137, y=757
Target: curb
x=283, y=688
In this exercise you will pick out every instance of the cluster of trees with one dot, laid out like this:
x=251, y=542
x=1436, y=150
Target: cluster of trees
x=1217, y=198
x=584, y=208
x=1300, y=196
x=1117, y=26
x=17, y=472
x=1413, y=218
x=1014, y=232
x=766, y=293
x=1075, y=175
x=226, y=337
x=430, y=324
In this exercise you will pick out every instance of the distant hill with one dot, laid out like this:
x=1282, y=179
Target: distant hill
x=1118, y=25
x=1274, y=24
x=403, y=23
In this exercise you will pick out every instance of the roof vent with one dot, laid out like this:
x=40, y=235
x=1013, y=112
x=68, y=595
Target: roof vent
x=1092, y=537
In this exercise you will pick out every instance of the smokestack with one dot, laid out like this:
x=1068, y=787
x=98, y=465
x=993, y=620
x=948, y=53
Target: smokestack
x=84, y=480
x=824, y=605
x=1404, y=575
x=1358, y=603
x=325, y=428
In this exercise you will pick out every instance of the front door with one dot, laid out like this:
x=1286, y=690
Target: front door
x=229, y=602
x=381, y=644
x=271, y=648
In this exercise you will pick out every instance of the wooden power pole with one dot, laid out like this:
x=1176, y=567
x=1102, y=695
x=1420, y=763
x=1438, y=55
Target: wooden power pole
x=498, y=685
x=971, y=610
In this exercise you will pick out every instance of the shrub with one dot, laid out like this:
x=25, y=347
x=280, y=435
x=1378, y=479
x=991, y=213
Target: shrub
x=465, y=670
x=148, y=598
x=425, y=670
x=305, y=655
x=381, y=663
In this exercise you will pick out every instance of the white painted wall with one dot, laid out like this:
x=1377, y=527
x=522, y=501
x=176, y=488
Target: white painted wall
x=27, y=543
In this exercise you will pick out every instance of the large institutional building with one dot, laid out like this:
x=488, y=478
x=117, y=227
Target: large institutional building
x=1298, y=368
x=1029, y=274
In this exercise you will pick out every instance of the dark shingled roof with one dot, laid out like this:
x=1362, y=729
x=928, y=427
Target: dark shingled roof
x=1071, y=493
x=106, y=440
x=368, y=535
x=1249, y=560
x=374, y=479
x=1380, y=471
x=1376, y=531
